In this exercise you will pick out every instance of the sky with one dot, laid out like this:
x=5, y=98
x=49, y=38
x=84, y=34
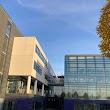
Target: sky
x=61, y=26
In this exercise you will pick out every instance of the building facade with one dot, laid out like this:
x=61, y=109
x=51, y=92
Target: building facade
x=25, y=71
x=87, y=77
x=8, y=31
x=30, y=71
x=59, y=86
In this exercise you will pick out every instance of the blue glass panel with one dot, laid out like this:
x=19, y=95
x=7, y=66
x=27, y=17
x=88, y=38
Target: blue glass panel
x=37, y=50
x=37, y=68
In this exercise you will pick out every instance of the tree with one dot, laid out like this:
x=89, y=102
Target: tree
x=62, y=94
x=55, y=96
x=85, y=96
x=68, y=94
x=103, y=30
x=75, y=95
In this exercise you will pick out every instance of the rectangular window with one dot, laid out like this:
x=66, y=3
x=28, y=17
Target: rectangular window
x=8, y=30
x=99, y=58
x=82, y=78
x=72, y=69
x=72, y=58
x=81, y=58
x=91, y=65
x=37, y=68
x=71, y=65
x=107, y=65
x=99, y=65
x=100, y=79
x=81, y=65
x=90, y=59
x=37, y=50
x=90, y=79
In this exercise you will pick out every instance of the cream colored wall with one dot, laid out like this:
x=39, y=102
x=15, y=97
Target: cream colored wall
x=22, y=57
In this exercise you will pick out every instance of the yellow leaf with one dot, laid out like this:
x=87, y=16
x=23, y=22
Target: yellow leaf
x=108, y=15
x=108, y=0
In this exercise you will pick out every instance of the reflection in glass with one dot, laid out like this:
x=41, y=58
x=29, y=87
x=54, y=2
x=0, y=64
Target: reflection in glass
x=88, y=77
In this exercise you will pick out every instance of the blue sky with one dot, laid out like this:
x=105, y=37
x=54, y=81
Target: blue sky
x=61, y=26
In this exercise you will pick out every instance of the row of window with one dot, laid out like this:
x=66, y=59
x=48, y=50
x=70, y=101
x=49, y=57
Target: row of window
x=89, y=73
x=37, y=67
x=80, y=80
x=86, y=57
x=37, y=50
x=87, y=65
x=88, y=60
x=87, y=69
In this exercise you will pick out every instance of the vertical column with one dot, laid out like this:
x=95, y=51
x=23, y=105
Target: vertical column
x=42, y=89
x=28, y=84
x=35, y=87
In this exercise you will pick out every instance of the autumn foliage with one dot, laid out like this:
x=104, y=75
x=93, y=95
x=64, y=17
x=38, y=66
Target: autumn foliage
x=103, y=30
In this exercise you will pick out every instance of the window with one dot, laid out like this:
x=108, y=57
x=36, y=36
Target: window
x=100, y=65
x=99, y=58
x=82, y=65
x=72, y=58
x=82, y=78
x=100, y=79
x=90, y=57
x=90, y=65
x=99, y=69
x=37, y=50
x=81, y=57
x=37, y=67
x=71, y=65
x=8, y=30
x=90, y=70
x=71, y=69
x=107, y=65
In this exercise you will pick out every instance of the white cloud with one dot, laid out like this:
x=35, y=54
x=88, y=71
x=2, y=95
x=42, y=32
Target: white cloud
x=76, y=13
x=61, y=7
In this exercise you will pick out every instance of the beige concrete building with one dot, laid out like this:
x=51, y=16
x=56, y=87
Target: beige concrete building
x=30, y=71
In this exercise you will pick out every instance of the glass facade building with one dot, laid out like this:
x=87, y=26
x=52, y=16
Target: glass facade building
x=87, y=77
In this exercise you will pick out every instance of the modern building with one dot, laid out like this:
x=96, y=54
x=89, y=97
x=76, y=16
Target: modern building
x=25, y=72
x=87, y=82
x=59, y=86
x=30, y=71
x=8, y=31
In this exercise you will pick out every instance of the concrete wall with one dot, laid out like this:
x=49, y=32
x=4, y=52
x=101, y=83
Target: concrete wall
x=23, y=57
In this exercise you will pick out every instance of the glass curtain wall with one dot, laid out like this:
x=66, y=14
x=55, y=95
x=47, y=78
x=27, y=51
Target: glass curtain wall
x=87, y=77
